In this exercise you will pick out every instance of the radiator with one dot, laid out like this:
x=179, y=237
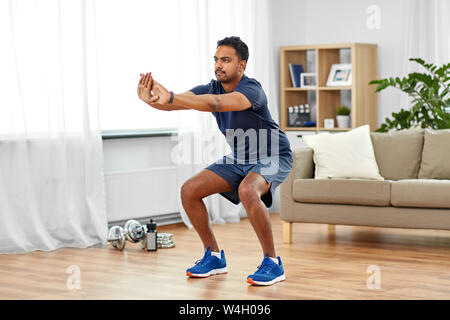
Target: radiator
x=141, y=193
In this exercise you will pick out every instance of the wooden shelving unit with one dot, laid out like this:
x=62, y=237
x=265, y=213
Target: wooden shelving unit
x=364, y=104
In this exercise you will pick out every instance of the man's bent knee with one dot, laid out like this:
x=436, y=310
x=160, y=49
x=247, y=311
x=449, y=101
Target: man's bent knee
x=248, y=195
x=188, y=191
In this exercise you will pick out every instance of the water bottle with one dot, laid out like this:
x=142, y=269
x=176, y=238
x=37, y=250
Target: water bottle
x=151, y=239
x=291, y=116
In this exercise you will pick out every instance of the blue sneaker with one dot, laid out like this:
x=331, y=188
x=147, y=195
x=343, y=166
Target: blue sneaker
x=208, y=265
x=268, y=273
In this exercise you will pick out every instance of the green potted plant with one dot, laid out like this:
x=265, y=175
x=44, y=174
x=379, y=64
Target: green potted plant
x=343, y=117
x=430, y=97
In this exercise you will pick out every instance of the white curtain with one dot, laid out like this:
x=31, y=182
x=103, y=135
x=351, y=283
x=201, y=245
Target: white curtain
x=427, y=35
x=52, y=191
x=201, y=24
x=428, y=32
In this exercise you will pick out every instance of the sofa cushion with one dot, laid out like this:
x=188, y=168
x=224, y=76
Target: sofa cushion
x=344, y=155
x=421, y=193
x=343, y=191
x=436, y=155
x=398, y=153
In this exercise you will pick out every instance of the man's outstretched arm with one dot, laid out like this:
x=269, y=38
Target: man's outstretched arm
x=158, y=97
x=233, y=101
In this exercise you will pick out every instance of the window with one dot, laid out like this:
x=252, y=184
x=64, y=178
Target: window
x=95, y=50
x=135, y=37
x=174, y=39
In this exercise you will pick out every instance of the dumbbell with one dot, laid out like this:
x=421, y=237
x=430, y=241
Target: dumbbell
x=133, y=231
x=116, y=237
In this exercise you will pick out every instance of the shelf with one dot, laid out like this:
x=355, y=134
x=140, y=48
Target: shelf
x=315, y=129
x=323, y=100
x=334, y=129
x=299, y=89
x=336, y=88
x=301, y=128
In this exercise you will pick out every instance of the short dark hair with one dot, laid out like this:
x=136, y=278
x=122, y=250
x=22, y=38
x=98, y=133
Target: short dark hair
x=238, y=45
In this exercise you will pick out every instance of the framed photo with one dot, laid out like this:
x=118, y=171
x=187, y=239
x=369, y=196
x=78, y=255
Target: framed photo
x=340, y=75
x=308, y=80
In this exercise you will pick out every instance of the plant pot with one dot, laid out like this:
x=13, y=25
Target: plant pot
x=343, y=121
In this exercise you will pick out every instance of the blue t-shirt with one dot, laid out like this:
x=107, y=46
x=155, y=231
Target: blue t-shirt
x=251, y=133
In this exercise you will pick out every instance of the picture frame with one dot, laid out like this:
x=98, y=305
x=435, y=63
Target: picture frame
x=340, y=75
x=308, y=80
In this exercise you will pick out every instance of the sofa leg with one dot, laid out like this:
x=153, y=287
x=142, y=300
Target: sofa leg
x=287, y=232
x=331, y=228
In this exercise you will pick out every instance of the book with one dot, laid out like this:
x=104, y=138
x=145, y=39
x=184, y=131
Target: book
x=296, y=70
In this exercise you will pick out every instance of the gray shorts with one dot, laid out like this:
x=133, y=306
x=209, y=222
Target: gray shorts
x=274, y=169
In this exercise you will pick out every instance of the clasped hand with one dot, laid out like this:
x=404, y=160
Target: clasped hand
x=151, y=92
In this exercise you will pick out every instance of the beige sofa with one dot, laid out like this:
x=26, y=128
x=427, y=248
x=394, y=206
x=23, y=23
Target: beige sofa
x=415, y=193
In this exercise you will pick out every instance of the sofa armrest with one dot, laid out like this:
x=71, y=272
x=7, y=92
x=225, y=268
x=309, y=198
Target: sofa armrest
x=302, y=168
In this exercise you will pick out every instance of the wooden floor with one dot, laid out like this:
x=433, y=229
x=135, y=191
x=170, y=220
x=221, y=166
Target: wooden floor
x=319, y=264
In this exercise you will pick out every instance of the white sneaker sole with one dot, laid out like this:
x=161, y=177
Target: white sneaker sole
x=266, y=283
x=210, y=273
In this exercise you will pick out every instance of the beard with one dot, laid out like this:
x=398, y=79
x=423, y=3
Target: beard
x=221, y=76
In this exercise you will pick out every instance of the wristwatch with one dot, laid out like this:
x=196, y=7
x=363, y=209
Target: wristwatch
x=171, y=97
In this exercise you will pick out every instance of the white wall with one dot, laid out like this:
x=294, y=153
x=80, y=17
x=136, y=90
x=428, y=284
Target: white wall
x=297, y=22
